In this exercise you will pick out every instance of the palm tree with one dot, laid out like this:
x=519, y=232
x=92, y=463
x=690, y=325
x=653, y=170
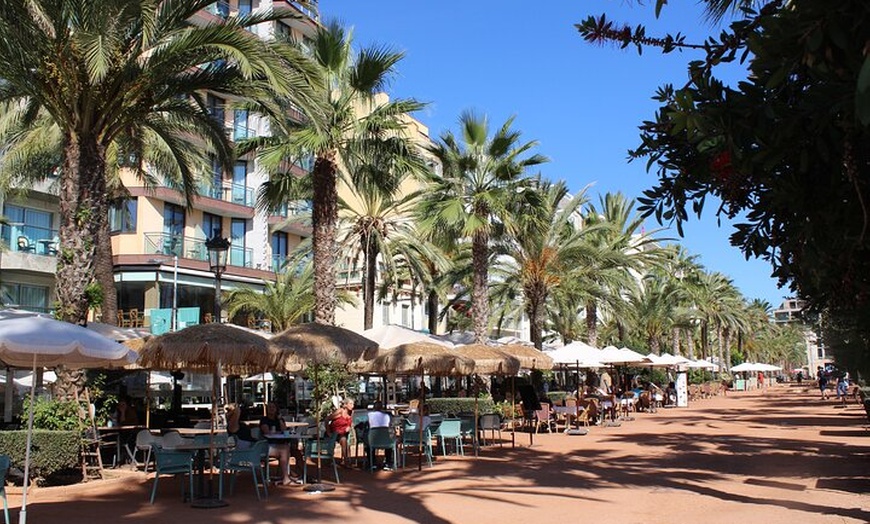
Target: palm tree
x=376, y=225
x=115, y=71
x=351, y=127
x=623, y=247
x=283, y=302
x=482, y=187
x=546, y=247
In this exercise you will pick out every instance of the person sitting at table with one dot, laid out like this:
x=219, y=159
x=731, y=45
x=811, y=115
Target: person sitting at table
x=378, y=418
x=238, y=429
x=271, y=424
x=340, y=423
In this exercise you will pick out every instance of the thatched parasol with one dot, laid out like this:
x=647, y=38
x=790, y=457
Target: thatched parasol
x=303, y=344
x=204, y=346
x=420, y=357
x=315, y=343
x=489, y=360
x=529, y=357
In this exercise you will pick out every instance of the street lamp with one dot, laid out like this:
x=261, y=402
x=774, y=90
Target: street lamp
x=218, y=249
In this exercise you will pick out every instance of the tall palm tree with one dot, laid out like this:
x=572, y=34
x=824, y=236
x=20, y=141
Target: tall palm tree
x=110, y=69
x=483, y=184
x=545, y=248
x=623, y=247
x=351, y=127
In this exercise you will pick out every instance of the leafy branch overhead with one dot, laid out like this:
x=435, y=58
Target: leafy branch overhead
x=785, y=149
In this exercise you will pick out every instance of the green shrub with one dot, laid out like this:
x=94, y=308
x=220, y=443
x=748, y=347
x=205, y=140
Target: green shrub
x=52, y=452
x=506, y=410
x=57, y=415
x=557, y=397
x=460, y=405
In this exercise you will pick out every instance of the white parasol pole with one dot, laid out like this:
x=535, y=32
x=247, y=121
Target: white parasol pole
x=22, y=516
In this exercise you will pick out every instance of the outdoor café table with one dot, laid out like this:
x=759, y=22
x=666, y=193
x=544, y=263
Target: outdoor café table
x=199, y=448
x=570, y=413
x=190, y=432
x=290, y=438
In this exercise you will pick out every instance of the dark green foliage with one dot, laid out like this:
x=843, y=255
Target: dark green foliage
x=786, y=150
x=56, y=415
x=52, y=452
x=454, y=406
x=557, y=397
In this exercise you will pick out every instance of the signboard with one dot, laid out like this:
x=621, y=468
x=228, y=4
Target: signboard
x=682, y=389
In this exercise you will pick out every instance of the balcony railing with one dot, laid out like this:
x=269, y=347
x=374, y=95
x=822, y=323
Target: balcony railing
x=308, y=8
x=26, y=238
x=241, y=132
x=235, y=193
x=221, y=9
x=192, y=248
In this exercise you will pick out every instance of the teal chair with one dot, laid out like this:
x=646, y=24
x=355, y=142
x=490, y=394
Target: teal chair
x=172, y=463
x=324, y=449
x=4, y=470
x=450, y=429
x=411, y=440
x=251, y=459
x=380, y=438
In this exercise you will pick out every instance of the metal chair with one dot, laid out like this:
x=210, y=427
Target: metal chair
x=250, y=459
x=24, y=245
x=168, y=462
x=380, y=438
x=323, y=449
x=144, y=442
x=450, y=429
x=411, y=439
x=490, y=422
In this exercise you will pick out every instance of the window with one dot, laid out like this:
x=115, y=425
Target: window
x=216, y=108
x=240, y=125
x=279, y=250
x=122, y=216
x=244, y=7
x=211, y=225
x=406, y=315
x=34, y=224
x=31, y=298
x=385, y=313
x=238, y=253
x=173, y=229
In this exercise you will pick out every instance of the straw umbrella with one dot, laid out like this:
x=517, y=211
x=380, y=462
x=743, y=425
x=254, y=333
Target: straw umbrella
x=530, y=358
x=212, y=348
x=314, y=343
x=488, y=360
x=423, y=358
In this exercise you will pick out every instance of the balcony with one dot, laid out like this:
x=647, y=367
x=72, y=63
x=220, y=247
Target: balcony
x=235, y=193
x=26, y=238
x=308, y=8
x=193, y=248
x=241, y=132
x=220, y=9
x=294, y=209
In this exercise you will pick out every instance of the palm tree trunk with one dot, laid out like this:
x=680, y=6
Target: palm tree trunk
x=479, y=295
x=536, y=298
x=675, y=341
x=82, y=207
x=370, y=260
x=690, y=343
x=324, y=217
x=704, y=337
x=432, y=301
x=719, y=349
x=726, y=348
x=591, y=324
x=105, y=274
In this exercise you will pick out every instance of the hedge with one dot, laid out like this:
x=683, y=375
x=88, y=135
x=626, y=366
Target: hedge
x=52, y=451
x=455, y=406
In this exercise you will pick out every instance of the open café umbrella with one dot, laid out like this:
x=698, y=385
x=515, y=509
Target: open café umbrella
x=213, y=348
x=38, y=341
x=314, y=343
x=390, y=336
x=488, y=360
x=423, y=358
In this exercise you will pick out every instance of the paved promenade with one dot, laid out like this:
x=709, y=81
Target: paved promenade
x=779, y=457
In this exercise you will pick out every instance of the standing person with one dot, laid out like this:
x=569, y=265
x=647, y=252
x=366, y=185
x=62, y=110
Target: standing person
x=800, y=376
x=271, y=424
x=760, y=380
x=823, y=383
x=842, y=388
x=340, y=423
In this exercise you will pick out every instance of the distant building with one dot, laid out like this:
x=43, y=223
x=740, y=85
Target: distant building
x=791, y=311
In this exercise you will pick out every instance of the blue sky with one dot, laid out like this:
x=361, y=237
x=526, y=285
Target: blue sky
x=583, y=103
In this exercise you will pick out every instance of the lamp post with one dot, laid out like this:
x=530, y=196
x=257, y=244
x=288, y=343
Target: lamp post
x=218, y=249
